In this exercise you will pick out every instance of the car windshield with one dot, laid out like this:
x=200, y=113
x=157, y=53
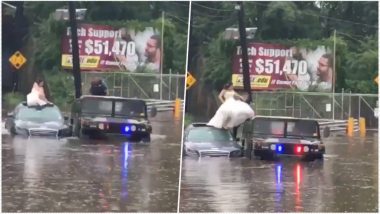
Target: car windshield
x=276, y=127
x=209, y=134
x=302, y=129
x=131, y=108
x=263, y=126
x=97, y=106
x=46, y=114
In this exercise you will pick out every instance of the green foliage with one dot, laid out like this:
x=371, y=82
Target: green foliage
x=188, y=119
x=61, y=85
x=11, y=100
x=217, y=71
x=302, y=24
x=46, y=33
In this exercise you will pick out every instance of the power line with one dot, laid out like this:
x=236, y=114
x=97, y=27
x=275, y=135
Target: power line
x=211, y=8
x=179, y=4
x=176, y=17
x=219, y=21
x=357, y=23
x=212, y=16
x=181, y=20
x=352, y=36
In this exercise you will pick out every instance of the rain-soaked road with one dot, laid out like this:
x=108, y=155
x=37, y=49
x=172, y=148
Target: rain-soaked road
x=72, y=176
x=347, y=180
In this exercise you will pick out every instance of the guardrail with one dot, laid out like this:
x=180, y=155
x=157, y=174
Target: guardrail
x=163, y=105
x=338, y=125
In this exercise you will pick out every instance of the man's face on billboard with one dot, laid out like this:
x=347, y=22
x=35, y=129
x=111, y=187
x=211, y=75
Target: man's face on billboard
x=323, y=67
x=151, y=48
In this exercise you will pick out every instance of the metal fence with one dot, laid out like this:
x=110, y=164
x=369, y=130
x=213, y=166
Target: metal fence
x=339, y=106
x=139, y=85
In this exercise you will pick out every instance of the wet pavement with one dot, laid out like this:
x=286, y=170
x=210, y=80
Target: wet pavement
x=68, y=175
x=345, y=181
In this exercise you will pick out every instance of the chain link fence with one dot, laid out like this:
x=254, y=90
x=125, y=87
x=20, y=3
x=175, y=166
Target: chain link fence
x=139, y=85
x=317, y=105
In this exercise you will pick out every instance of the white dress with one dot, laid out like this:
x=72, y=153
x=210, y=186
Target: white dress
x=231, y=113
x=33, y=99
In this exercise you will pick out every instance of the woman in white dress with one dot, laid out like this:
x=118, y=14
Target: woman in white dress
x=233, y=111
x=37, y=95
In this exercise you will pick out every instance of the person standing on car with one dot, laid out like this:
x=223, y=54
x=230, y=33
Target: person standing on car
x=233, y=111
x=37, y=95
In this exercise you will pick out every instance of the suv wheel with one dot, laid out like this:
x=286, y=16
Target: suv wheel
x=77, y=130
x=146, y=139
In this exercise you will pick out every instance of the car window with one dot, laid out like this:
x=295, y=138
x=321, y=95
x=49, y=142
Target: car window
x=46, y=114
x=208, y=134
x=133, y=108
x=268, y=127
x=97, y=106
x=302, y=128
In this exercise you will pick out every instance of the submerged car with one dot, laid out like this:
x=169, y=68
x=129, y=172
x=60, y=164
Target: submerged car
x=44, y=120
x=202, y=140
x=96, y=116
x=273, y=137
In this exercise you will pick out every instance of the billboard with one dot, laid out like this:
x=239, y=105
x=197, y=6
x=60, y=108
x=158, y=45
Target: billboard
x=105, y=48
x=281, y=67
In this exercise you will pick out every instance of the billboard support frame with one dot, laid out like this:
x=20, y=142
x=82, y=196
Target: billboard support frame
x=162, y=51
x=333, y=78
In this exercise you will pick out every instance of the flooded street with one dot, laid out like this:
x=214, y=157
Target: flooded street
x=345, y=181
x=68, y=175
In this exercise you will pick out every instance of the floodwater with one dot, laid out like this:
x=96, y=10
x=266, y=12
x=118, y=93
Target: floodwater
x=68, y=175
x=345, y=181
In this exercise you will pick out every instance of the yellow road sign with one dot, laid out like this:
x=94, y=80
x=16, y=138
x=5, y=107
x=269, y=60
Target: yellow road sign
x=17, y=60
x=377, y=79
x=190, y=80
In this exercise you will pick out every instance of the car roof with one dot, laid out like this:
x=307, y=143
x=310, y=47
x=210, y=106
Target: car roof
x=200, y=125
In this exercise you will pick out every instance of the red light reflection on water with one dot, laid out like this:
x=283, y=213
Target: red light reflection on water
x=298, y=176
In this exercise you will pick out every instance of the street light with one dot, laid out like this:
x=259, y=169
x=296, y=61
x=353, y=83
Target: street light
x=233, y=33
x=63, y=14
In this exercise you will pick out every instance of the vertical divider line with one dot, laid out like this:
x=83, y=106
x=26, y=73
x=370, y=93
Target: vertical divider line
x=183, y=111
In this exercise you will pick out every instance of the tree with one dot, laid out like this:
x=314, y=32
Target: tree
x=44, y=38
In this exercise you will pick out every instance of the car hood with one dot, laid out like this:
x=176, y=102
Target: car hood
x=30, y=125
x=221, y=146
x=309, y=141
x=116, y=120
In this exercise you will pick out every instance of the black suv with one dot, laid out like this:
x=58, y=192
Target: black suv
x=96, y=116
x=272, y=137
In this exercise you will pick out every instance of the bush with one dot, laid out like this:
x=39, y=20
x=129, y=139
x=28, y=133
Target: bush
x=11, y=100
x=188, y=119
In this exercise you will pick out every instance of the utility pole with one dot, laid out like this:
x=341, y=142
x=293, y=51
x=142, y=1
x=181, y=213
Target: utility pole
x=19, y=32
x=243, y=44
x=75, y=50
